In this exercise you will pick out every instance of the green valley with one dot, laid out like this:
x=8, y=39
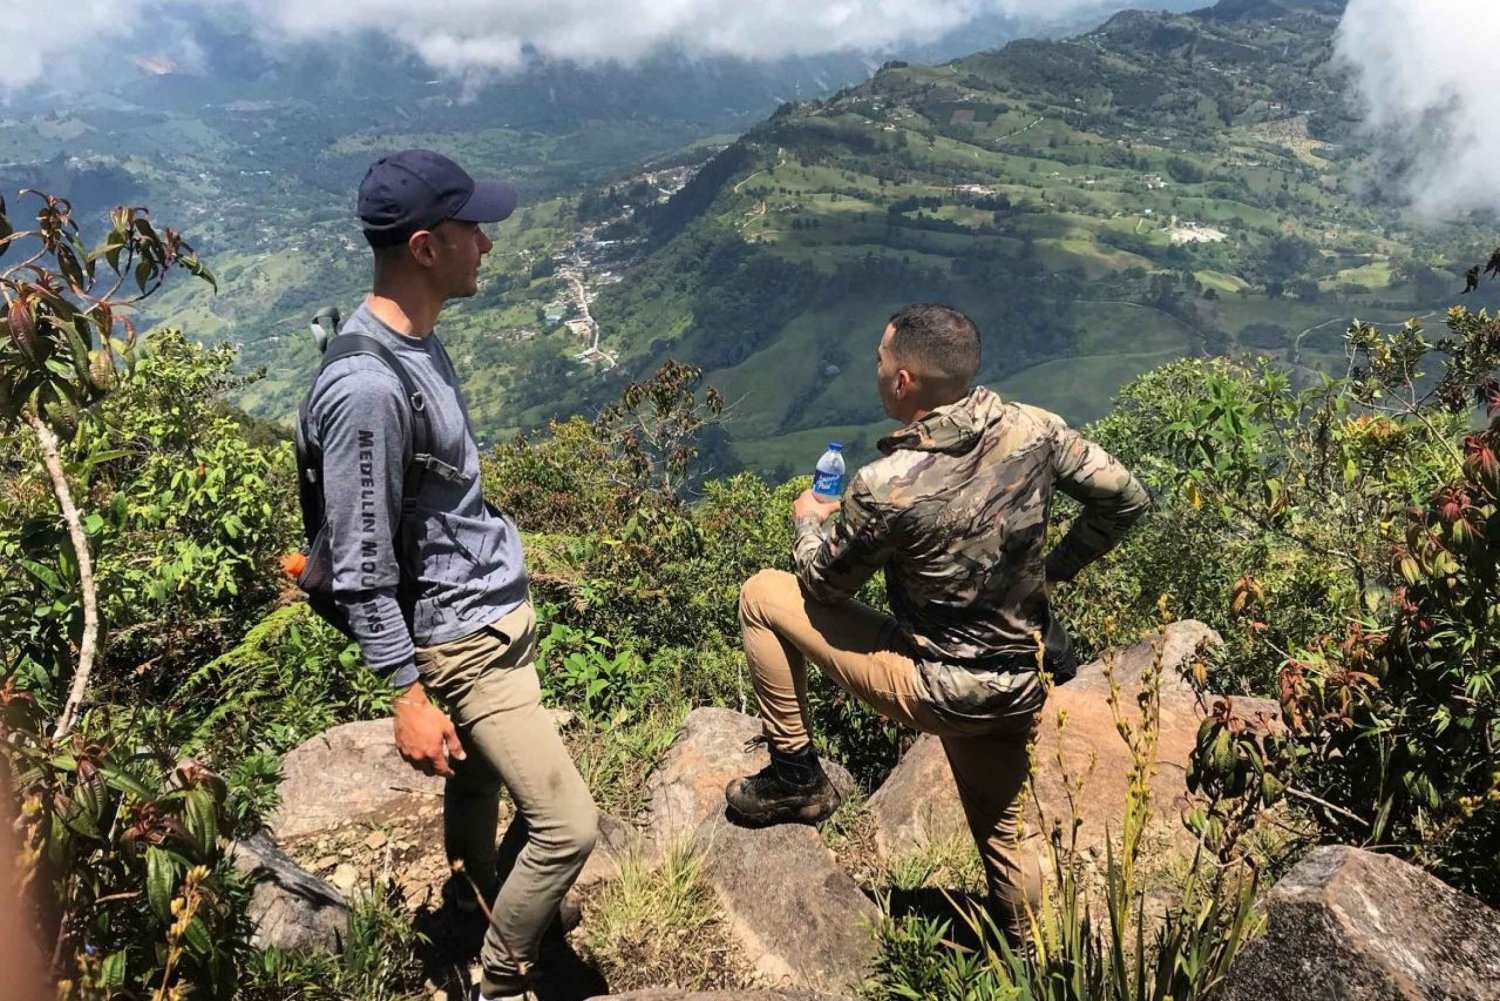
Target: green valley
x=1164, y=186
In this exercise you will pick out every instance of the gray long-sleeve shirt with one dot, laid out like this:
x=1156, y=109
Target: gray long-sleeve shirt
x=465, y=555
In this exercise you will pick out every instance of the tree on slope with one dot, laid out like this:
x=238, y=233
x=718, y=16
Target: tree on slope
x=65, y=309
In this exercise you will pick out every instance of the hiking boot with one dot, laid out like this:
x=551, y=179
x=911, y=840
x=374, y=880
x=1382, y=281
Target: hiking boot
x=792, y=789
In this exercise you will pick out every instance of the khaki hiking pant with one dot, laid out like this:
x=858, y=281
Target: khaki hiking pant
x=861, y=651
x=489, y=685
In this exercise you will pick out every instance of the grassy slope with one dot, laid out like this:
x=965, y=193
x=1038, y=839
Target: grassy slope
x=1098, y=144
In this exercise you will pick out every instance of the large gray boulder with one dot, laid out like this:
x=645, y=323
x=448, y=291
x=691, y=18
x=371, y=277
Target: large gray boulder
x=1349, y=924
x=680, y=995
x=289, y=908
x=687, y=788
x=918, y=803
x=1179, y=646
x=801, y=920
x=349, y=773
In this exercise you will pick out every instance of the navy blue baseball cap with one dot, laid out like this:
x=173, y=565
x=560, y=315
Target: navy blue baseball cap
x=416, y=189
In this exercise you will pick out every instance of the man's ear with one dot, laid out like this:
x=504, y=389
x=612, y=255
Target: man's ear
x=420, y=245
x=905, y=382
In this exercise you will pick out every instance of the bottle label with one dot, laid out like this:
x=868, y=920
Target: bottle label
x=828, y=484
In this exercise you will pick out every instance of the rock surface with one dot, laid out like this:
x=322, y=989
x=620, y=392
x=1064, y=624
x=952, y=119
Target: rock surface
x=918, y=803
x=801, y=920
x=349, y=773
x=289, y=907
x=617, y=840
x=1346, y=923
x=679, y=995
x=1179, y=646
x=688, y=787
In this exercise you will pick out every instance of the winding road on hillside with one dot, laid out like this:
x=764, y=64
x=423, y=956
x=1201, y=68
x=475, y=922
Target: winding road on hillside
x=580, y=297
x=780, y=162
x=1345, y=318
x=1024, y=128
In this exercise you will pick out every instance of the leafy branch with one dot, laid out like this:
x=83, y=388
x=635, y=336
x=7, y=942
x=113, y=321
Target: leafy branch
x=64, y=309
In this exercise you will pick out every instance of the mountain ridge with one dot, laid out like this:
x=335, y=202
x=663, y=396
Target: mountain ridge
x=1200, y=169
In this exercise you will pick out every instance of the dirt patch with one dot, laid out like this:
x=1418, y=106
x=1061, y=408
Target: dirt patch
x=405, y=850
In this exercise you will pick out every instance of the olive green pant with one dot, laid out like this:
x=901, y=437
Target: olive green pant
x=488, y=683
x=861, y=651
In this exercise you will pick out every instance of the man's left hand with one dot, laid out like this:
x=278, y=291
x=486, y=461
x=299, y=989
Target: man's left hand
x=810, y=504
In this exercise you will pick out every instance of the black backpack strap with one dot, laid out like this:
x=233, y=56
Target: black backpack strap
x=422, y=460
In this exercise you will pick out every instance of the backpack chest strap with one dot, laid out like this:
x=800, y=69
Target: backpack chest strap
x=422, y=460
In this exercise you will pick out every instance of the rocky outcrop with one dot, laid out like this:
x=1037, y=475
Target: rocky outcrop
x=289, y=908
x=353, y=811
x=1179, y=647
x=801, y=920
x=1346, y=923
x=688, y=787
x=918, y=803
x=347, y=774
x=617, y=842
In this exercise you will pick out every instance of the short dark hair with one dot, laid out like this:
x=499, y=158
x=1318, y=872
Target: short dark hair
x=941, y=342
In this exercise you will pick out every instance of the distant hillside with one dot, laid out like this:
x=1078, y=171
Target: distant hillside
x=254, y=150
x=1161, y=186
x=1165, y=184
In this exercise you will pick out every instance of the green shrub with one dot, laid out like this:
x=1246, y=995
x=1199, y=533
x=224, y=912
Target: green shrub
x=568, y=482
x=1290, y=491
x=185, y=516
x=587, y=672
x=1393, y=719
x=124, y=850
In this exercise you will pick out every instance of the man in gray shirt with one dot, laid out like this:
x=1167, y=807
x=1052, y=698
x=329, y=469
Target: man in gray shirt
x=458, y=622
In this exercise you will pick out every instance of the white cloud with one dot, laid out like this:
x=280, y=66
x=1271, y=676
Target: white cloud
x=1425, y=75
x=42, y=39
x=463, y=35
x=65, y=42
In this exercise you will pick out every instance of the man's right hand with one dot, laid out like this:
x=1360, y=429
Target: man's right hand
x=425, y=736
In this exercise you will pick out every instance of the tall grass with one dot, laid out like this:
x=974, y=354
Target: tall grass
x=660, y=925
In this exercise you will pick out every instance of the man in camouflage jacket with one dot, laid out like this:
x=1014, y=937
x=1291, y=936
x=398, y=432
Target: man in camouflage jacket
x=955, y=512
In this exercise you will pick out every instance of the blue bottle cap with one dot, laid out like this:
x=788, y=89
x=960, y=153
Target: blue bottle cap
x=835, y=446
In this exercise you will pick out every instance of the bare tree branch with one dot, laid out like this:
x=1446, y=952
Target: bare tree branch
x=52, y=459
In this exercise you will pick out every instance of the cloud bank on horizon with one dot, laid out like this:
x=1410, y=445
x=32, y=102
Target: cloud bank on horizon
x=1424, y=72
x=1420, y=68
x=464, y=38
x=461, y=36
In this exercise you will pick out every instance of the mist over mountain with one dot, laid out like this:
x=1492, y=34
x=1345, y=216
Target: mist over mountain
x=236, y=43
x=215, y=96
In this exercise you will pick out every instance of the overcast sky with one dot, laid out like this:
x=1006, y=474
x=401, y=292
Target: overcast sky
x=463, y=36
x=1421, y=67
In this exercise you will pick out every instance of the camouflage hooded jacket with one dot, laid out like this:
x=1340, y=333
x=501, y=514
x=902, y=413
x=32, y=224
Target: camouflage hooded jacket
x=956, y=513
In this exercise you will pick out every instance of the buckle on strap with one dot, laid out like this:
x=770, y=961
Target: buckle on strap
x=433, y=464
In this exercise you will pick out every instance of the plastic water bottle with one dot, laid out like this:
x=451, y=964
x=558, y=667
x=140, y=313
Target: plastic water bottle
x=828, y=480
